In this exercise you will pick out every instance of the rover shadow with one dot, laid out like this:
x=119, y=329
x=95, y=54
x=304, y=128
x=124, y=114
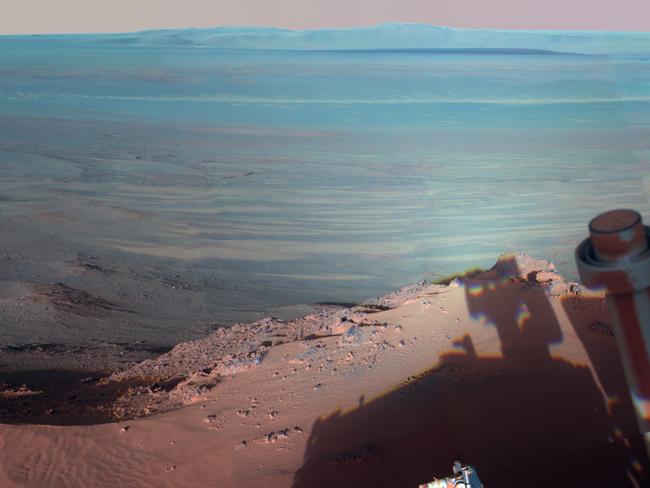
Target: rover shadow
x=594, y=327
x=522, y=417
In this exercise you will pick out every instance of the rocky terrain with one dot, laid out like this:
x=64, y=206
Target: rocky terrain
x=388, y=392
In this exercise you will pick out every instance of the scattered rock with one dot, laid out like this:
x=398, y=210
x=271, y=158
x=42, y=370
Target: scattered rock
x=363, y=457
x=354, y=336
x=23, y=391
x=546, y=276
x=602, y=327
x=273, y=437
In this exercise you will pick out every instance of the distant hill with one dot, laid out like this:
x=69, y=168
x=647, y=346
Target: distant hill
x=379, y=37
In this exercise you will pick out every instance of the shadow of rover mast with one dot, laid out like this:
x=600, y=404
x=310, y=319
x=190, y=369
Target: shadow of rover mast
x=523, y=419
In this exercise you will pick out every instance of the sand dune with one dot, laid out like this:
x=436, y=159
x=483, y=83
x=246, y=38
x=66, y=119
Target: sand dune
x=513, y=370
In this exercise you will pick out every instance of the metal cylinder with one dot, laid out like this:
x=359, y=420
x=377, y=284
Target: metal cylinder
x=616, y=258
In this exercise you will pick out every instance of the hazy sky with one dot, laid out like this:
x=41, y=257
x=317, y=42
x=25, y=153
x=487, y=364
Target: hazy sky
x=48, y=16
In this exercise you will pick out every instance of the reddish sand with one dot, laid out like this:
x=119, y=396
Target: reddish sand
x=514, y=371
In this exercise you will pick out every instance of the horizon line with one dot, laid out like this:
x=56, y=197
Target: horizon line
x=359, y=27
